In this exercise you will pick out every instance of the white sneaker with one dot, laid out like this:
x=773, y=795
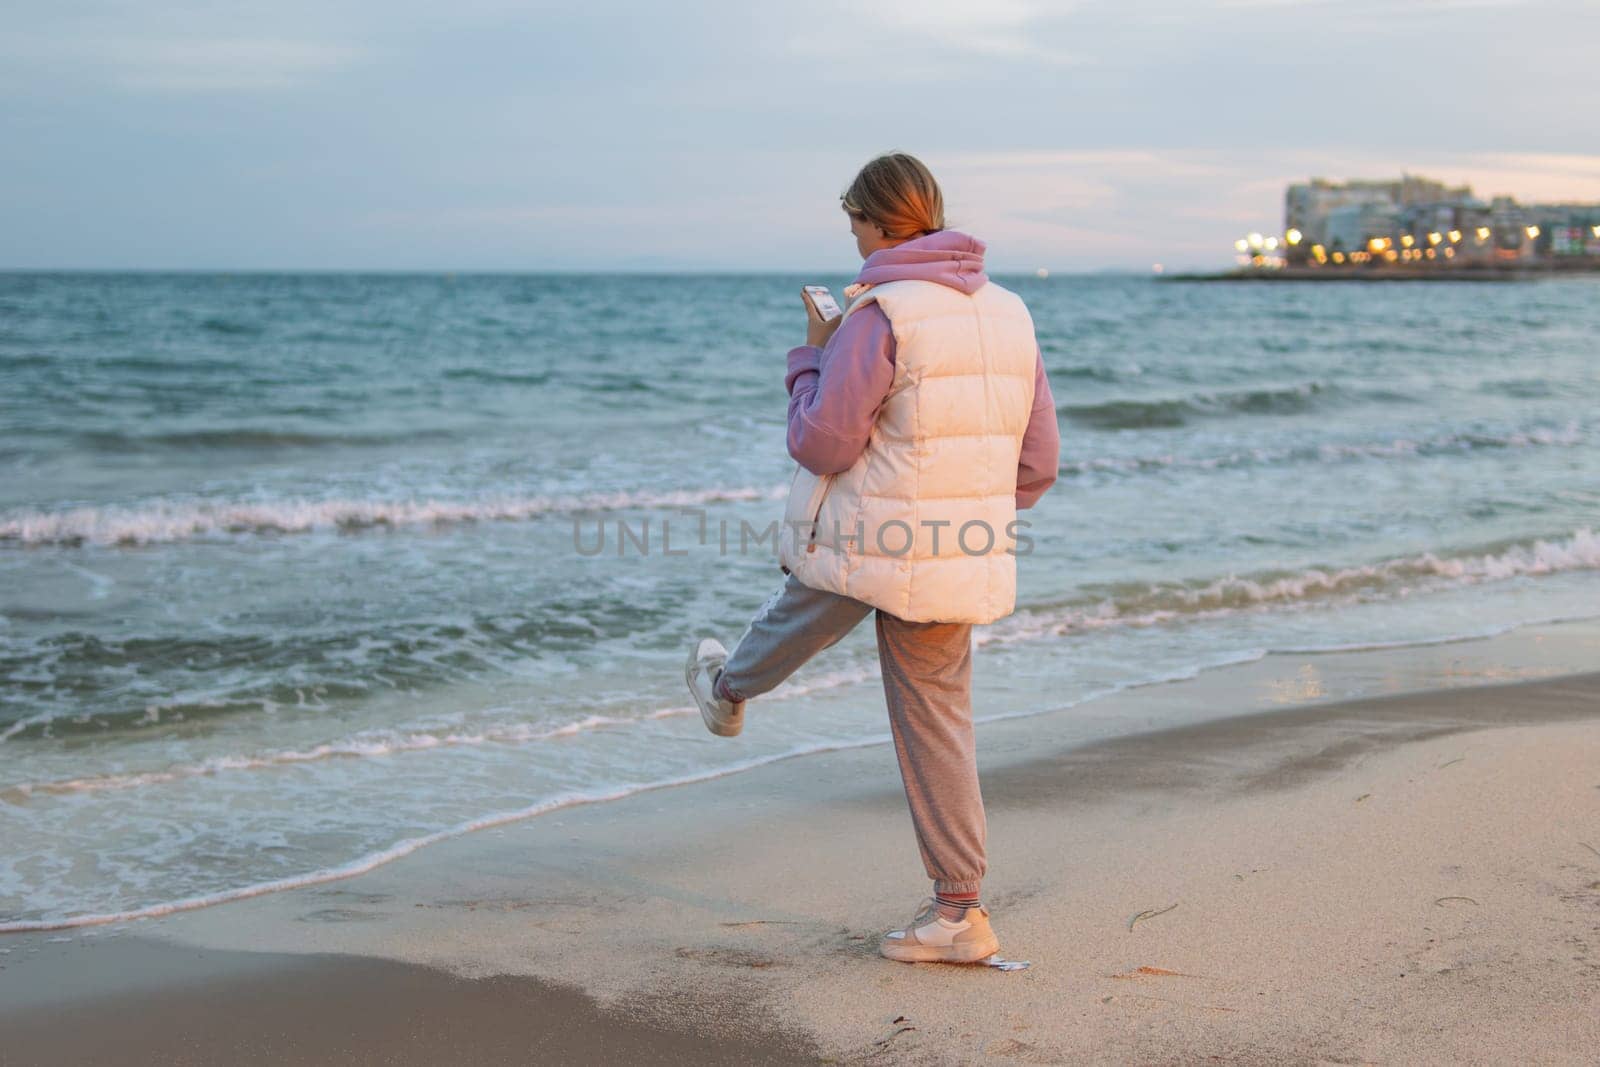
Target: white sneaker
x=931, y=938
x=706, y=657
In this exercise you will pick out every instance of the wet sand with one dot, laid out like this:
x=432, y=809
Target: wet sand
x=157, y=1003
x=1404, y=879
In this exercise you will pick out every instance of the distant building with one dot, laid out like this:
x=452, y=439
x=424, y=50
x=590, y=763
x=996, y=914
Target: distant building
x=1349, y=227
x=1309, y=206
x=1421, y=223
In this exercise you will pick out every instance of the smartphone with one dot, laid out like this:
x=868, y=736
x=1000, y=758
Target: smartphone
x=822, y=302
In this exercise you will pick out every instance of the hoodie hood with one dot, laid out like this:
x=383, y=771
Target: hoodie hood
x=948, y=257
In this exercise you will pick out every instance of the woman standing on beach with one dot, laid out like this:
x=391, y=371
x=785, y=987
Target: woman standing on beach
x=922, y=421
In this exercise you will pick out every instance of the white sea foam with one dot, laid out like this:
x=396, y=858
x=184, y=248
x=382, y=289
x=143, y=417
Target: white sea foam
x=1565, y=437
x=381, y=745
x=22, y=724
x=1225, y=596
x=374, y=860
x=379, y=858
x=1154, y=606
x=362, y=746
x=163, y=521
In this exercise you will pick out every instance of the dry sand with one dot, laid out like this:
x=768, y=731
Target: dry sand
x=1406, y=879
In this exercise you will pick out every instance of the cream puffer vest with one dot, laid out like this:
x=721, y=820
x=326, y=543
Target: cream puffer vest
x=921, y=525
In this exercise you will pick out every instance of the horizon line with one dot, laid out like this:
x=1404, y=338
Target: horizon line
x=651, y=271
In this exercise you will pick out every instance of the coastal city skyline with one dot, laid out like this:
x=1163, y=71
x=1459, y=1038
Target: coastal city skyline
x=1416, y=226
x=514, y=137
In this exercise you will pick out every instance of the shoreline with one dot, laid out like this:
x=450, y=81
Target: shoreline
x=1419, y=652
x=737, y=918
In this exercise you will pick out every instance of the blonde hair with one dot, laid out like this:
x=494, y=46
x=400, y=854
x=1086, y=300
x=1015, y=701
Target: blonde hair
x=896, y=192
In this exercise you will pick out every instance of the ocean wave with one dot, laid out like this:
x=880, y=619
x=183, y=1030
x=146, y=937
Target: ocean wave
x=575, y=798
x=1521, y=388
x=371, y=745
x=482, y=374
x=1150, y=605
x=603, y=793
x=1442, y=444
x=76, y=681
x=1117, y=607
x=232, y=327
x=75, y=684
x=597, y=795
x=162, y=522
x=244, y=437
x=1173, y=413
x=361, y=746
x=374, y=860
x=1092, y=373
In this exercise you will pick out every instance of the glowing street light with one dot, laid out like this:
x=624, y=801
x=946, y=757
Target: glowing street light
x=1271, y=243
x=1241, y=245
x=1533, y=231
x=1435, y=238
x=1455, y=236
x=1483, y=234
x=1407, y=240
x=1255, y=240
x=1294, y=236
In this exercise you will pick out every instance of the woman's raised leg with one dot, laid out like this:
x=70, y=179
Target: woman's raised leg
x=793, y=625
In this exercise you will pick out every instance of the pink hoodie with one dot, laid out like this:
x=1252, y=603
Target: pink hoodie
x=835, y=392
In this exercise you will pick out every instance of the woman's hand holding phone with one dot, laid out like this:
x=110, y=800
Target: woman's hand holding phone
x=822, y=314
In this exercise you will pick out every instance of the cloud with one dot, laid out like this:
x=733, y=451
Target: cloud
x=1389, y=6
x=180, y=47
x=920, y=38
x=509, y=134
x=221, y=64
x=1531, y=176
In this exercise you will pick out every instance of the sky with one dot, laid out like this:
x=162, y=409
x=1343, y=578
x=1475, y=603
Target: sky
x=489, y=135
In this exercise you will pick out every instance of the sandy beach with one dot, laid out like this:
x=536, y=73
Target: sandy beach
x=1407, y=877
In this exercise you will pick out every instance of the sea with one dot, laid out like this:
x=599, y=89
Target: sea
x=300, y=573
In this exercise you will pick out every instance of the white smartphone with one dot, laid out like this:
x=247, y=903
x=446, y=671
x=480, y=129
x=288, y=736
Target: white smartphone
x=822, y=302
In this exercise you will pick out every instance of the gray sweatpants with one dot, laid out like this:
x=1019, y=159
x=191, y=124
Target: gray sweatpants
x=927, y=681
